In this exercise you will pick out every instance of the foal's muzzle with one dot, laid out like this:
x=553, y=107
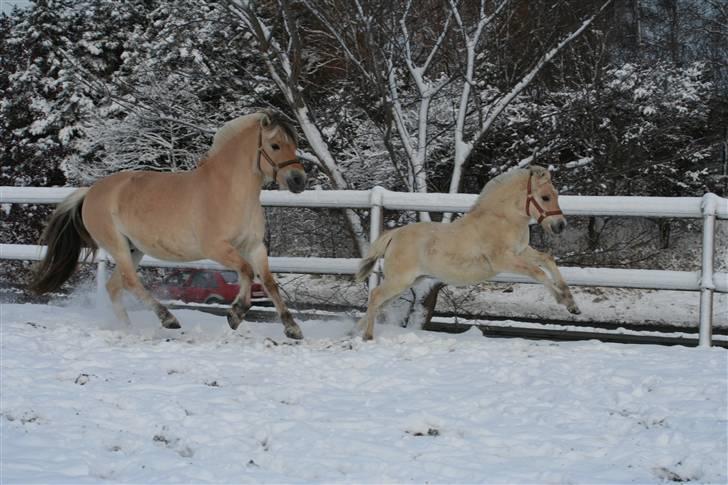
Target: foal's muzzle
x=296, y=181
x=558, y=225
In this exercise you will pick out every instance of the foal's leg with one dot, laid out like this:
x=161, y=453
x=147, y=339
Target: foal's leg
x=115, y=288
x=259, y=259
x=524, y=265
x=228, y=256
x=392, y=286
x=547, y=261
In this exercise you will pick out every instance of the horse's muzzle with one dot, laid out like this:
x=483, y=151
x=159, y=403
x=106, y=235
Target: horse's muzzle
x=296, y=181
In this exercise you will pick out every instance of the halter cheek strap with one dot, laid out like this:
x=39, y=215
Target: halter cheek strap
x=530, y=199
x=276, y=166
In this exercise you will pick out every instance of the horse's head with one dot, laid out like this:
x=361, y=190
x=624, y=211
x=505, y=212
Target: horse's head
x=542, y=200
x=276, y=158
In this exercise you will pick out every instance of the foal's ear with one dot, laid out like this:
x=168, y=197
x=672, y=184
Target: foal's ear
x=538, y=171
x=265, y=120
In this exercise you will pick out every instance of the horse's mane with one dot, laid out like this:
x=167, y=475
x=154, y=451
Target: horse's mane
x=274, y=120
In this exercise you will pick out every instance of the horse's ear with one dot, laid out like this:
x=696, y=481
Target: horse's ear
x=265, y=120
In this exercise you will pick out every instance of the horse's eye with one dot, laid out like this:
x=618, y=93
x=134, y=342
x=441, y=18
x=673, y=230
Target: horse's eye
x=275, y=146
x=546, y=198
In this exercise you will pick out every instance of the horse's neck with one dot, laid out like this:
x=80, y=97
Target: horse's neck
x=235, y=174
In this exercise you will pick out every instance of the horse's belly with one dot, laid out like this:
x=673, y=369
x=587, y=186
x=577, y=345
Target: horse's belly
x=180, y=248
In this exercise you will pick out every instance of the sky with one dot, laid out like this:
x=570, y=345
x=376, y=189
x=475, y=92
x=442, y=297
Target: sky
x=6, y=6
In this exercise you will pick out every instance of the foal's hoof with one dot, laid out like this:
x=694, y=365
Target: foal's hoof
x=367, y=337
x=294, y=332
x=574, y=309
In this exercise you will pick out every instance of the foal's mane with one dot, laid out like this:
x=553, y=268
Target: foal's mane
x=269, y=120
x=498, y=182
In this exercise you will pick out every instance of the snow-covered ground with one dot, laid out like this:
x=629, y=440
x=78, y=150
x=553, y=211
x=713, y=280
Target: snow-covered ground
x=86, y=401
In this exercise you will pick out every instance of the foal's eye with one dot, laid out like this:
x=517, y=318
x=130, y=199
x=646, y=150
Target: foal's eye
x=275, y=146
x=546, y=198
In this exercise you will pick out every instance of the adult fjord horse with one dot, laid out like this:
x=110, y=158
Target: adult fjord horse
x=492, y=238
x=210, y=212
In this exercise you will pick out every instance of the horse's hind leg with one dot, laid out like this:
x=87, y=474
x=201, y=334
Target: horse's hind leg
x=260, y=265
x=126, y=267
x=115, y=288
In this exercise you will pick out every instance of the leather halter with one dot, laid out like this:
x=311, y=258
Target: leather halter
x=276, y=166
x=530, y=199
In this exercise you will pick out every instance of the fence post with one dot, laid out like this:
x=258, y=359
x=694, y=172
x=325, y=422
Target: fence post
x=707, y=286
x=100, y=277
x=376, y=200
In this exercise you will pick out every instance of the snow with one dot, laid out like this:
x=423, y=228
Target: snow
x=84, y=401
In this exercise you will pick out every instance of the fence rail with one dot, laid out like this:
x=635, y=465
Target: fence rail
x=705, y=280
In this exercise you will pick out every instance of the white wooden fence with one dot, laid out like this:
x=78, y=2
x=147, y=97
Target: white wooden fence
x=703, y=280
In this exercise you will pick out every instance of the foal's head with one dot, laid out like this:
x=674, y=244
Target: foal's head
x=276, y=157
x=542, y=200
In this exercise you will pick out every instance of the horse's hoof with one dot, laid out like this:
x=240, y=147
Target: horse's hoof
x=574, y=309
x=367, y=337
x=294, y=332
x=171, y=323
x=233, y=321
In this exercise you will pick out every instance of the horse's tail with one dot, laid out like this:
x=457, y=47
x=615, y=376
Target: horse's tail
x=375, y=252
x=64, y=235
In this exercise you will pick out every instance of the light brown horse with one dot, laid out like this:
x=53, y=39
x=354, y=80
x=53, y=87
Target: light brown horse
x=210, y=212
x=492, y=238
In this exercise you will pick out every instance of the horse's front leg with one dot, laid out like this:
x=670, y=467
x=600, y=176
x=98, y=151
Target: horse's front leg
x=228, y=256
x=529, y=265
x=259, y=260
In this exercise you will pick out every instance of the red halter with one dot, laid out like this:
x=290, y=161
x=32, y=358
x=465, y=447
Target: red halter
x=530, y=199
x=276, y=166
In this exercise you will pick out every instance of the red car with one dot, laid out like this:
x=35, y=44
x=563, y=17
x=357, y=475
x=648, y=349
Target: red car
x=205, y=286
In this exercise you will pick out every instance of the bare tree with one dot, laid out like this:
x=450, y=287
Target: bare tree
x=283, y=58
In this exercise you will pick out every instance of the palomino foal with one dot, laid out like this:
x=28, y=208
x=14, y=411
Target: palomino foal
x=492, y=238
x=211, y=212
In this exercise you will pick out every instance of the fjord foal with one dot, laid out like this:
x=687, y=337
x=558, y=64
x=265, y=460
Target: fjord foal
x=492, y=238
x=210, y=212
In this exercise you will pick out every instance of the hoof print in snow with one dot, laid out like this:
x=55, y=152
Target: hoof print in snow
x=430, y=432
x=26, y=418
x=670, y=476
x=36, y=325
x=252, y=464
x=269, y=342
x=173, y=444
x=212, y=384
x=82, y=379
x=161, y=439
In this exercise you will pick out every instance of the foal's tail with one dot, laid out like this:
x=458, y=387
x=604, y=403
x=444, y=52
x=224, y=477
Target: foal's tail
x=375, y=252
x=64, y=235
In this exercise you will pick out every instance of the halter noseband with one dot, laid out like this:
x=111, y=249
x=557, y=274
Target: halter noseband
x=276, y=166
x=530, y=199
